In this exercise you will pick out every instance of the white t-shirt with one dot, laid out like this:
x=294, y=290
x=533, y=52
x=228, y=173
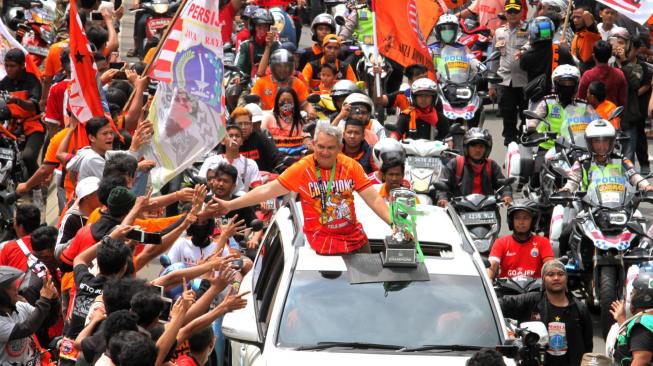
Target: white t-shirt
x=248, y=172
x=184, y=251
x=21, y=351
x=606, y=34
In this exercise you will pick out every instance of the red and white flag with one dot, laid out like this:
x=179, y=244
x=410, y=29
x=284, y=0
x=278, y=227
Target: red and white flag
x=84, y=95
x=637, y=10
x=162, y=66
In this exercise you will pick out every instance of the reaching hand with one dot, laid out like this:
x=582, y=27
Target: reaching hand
x=199, y=195
x=234, y=302
x=142, y=135
x=143, y=201
x=223, y=207
x=108, y=75
x=132, y=76
x=145, y=165
x=49, y=290
x=618, y=311
x=232, y=227
x=120, y=231
x=185, y=194
x=221, y=279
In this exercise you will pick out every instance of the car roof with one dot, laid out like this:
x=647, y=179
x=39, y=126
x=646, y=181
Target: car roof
x=433, y=226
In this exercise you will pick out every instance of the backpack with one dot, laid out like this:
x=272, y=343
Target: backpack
x=460, y=166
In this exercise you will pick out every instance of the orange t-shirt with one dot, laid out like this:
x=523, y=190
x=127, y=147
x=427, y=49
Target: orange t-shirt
x=266, y=88
x=341, y=233
x=604, y=109
x=53, y=60
x=51, y=151
x=582, y=44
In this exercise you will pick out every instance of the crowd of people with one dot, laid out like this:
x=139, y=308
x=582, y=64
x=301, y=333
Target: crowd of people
x=72, y=291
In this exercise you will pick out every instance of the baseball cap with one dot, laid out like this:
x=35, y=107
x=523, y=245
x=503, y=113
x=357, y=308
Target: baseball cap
x=513, y=5
x=86, y=186
x=330, y=38
x=256, y=111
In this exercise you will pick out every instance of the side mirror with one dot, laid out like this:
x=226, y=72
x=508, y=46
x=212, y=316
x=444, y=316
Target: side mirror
x=240, y=325
x=532, y=115
x=314, y=98
x=616, y=113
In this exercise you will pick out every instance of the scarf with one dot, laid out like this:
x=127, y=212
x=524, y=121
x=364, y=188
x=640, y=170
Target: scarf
x=428, y=115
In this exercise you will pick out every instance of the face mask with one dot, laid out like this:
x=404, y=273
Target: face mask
x=287, y=108
x=447, y=35
x=566, y=93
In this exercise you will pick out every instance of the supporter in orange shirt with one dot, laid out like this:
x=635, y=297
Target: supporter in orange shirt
x=586, y=34
x=331, y=47
x=325, y=181
x=604, y=107
x=399, y=99
x=281, y=67
x=52, y=67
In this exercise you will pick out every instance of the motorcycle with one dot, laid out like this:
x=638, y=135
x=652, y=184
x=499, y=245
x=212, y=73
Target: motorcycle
x=12, y=171
x=159, y=15
x=518, y=285
x=475, y=37
x=33, y=23
x=462, y=104
x=607, y=228
x=323, y=105
x=425, y=165
x=480, y=215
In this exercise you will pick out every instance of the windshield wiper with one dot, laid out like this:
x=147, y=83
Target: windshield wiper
x=356, y=345
x=442, y=347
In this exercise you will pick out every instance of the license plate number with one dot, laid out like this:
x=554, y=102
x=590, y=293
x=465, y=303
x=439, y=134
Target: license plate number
x=422, y=161
x=478, y=218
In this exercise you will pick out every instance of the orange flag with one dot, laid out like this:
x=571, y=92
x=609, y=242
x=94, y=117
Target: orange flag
x=398, y=31
x=427, y=23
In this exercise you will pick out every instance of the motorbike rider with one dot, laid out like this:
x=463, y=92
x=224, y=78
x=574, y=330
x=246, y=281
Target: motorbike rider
x=321, y=25
x=246, y=17
x=634, y=345
x=359, y=23
x=401, y=98
x=421, y=121
x=360, y=106
x=447, y=31
x=474, y=172
x=251, y=51
x=521, y=253
x=330, y=47
x=341, y=90
x=603, y=162
x=281, y=68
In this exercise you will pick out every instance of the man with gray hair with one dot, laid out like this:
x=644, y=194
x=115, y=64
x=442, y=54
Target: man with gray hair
x=325, y=181
x=568, y=321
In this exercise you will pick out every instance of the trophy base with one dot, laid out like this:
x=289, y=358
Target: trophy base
x=399, y=254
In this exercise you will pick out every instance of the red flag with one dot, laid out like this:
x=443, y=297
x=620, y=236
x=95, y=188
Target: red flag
x=398, y=31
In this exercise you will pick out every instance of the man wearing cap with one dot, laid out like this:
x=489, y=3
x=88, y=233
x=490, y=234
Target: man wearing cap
x=19, y=320
x=75, y=218
x=331, y=47
x=568, y=321
x=509, y=39
x=487, y=12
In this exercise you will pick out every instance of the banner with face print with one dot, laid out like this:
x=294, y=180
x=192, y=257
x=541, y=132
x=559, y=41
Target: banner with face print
x=637, y=10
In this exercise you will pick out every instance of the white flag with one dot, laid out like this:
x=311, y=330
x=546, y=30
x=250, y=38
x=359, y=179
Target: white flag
x=637, y=10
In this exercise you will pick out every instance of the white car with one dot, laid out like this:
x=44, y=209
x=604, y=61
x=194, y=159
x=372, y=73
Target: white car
x=302, y=309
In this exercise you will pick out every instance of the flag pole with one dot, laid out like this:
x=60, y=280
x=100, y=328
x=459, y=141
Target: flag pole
x=148, y=66
x=563, y=37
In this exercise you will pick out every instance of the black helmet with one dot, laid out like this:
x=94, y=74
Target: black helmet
x=477, y=134
x=249, y=11
x=642, y=297
x=326, y=19
x=523, y=205
x=8, y=275
x=260, y=16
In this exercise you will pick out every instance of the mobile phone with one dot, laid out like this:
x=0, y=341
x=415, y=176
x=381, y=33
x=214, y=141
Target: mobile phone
x=116, y=65
x=143, y=237
x=96, y=15
x=274, y=29
x=160, y=290
x=164, y=316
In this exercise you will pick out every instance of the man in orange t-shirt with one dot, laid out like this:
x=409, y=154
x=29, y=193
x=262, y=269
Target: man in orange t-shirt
x=325, y=181
x=602, y=106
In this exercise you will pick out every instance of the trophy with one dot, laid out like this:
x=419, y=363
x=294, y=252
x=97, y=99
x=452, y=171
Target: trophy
x=401, y=246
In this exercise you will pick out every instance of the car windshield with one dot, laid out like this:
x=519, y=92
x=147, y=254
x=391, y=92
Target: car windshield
x=447, y=310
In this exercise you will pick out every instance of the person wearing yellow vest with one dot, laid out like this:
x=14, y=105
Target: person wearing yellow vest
x=359, y=23
x=603, y=165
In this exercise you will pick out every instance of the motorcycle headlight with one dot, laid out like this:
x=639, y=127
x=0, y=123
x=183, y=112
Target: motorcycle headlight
x=421, y=185
x=463, y=93
x=160, y=8
x=617, y=218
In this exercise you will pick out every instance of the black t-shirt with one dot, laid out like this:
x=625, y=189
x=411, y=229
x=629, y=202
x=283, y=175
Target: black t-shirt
x=26, y=82
x=88, y=287
x=641, y=339
x=70, y=225
x=566, y=345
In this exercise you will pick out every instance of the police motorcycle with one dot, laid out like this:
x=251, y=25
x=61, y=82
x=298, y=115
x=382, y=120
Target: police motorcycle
x=604, y=233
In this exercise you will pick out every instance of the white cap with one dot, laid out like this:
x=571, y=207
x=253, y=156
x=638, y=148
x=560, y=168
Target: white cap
x=256, y=111
x=86, y=186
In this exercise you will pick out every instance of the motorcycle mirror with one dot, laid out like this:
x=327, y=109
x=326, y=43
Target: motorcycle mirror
x=313, y=98
x=532, y=115
x=616, y=113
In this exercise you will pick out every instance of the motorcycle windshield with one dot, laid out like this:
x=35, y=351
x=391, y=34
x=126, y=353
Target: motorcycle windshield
x=576, y=119
x=610, y=193
x=454, y=64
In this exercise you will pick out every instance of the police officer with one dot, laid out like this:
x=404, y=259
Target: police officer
x=634, y=345
x=509, y=39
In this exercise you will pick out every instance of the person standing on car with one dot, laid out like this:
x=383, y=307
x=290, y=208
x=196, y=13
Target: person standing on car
x=634, y=345
x=568, y=321
x=509, y=39
x=474, y=172
x=521, y=253
x=325, y=182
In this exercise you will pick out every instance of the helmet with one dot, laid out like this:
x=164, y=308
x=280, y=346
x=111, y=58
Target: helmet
x=278, y=60
x=523, y=205
x=559, y=6
x=621, y=33
x=249, y=11
x=477, y=134
x=566, y=93
x=424, y=86
x=541, y=29
x=360, y=98
x=600, y=128
x=324, y=18
x=343, y=88
x=260, y=16
x=8, y=275
x=446, y=29
x=290, y=46
x=642, y=295
x=386, y=147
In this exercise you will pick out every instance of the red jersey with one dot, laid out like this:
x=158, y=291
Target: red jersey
x=226, y=17
x=521, y=259
x=12, y=255
x=54, y=109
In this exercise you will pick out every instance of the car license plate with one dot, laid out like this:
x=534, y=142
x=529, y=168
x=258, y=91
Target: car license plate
x=6, y=154
x=423, y=161
x=478, y=218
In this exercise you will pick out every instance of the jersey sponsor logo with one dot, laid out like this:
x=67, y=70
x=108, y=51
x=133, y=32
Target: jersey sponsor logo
x=521, y=272
x=511, y=254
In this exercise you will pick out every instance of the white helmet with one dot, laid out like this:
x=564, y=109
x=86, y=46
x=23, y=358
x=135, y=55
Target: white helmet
x=386, y=147
x=600, y=128
x=424, y=86
x=559, y=5
x=360, y=98
x=565, y=72
x=447, y=28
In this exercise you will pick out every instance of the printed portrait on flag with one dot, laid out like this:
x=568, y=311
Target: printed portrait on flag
x=637, y=10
